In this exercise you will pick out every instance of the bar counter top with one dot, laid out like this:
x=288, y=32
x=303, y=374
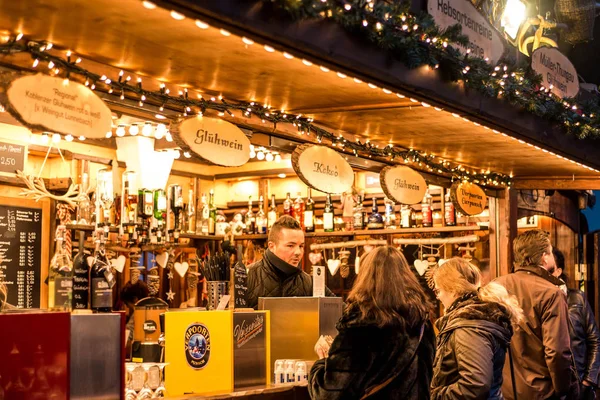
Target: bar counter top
x=288, y=392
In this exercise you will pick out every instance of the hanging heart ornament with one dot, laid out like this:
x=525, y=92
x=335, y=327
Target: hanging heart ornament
x=333, y=266
x=162, y=258
x=181, y=268
x=421, y=266
x=118, y=263
x=315, y=258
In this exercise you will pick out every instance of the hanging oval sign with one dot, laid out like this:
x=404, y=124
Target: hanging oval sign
x=215, y=140
x=403, y=184
x=468, y=198
x=558, y=73
x=322, y=168
x=47, y=103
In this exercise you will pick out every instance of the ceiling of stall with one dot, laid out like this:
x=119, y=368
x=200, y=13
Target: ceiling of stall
x=119, y=34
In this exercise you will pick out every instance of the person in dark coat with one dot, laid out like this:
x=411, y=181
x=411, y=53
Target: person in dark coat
x=278, y=274
x=385, y=345
x=474, y=334
x=583, y=330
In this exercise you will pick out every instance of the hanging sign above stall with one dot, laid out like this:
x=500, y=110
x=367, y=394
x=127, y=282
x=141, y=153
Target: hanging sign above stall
x=468, y=198
x=214, y=140
x=484, y=40
x=558, y=73
x=403, y=184
x=53, y=104
x=322, y=168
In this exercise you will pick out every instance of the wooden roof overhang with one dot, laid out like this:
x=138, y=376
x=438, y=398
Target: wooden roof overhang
x=123, y=34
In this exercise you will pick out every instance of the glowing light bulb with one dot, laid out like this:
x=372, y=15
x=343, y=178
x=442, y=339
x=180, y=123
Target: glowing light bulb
x=134, y=129
x=177, y=16
x=121, y=131
x=269, y=157
x=252, y=154
x=277, y=158
x=201, y=24
x=260, y=155
x=187, y=155
x=177, y=154
x=56, y=138
x=108, y=135
x=45, y=139
x=149, y=5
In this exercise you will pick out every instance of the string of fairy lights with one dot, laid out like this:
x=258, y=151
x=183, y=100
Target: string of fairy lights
x=68, y=66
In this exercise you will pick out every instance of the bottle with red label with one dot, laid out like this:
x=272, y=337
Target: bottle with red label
x=426, y=209
x=449, y=211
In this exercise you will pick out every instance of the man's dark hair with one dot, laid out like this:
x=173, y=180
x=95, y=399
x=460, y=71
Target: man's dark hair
x=560, y=263
x=285, y=222
x=131, y=293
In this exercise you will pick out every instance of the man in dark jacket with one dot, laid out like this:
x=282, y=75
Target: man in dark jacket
x=585, y=337
x=540, y=345
x=277, y=274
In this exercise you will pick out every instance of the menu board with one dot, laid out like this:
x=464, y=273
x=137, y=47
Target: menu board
x=21, y=253
x=240, y=282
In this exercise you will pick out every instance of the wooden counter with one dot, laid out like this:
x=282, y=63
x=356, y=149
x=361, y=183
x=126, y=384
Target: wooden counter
x=287, y=392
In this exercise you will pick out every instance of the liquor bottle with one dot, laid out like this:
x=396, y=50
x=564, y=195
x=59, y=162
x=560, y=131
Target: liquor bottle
x=102, y=277
x=375, y=219
x=390, y=216
x=288, y=206
x=250, y=219
x=272, y=214
x=309, y=213
x=204, y=216
x=359, y=222
x=191, y=213
x=105, y=194
x=81, y=281
x=160, y=212
x=60, y=279
x=147, y=201
x=328, y=225
x=212, y=211
x=84, y=205
x=449, y=210
x=405, y=216
x=299, y=210
x=176, y=207
x=261, y=219
x=426, y=209
x=129, y=199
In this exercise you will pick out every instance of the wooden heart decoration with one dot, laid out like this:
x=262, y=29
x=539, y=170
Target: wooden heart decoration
x=181, y=268
x=315, y=258
x=421, y=266
x=333, y=266
x=162, y=259
x=118, y=263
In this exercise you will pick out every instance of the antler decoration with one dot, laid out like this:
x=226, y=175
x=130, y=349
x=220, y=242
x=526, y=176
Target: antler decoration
x=36, y=189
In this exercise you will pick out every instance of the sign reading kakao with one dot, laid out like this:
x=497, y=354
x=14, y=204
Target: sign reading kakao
x=484, y=40
x=468, y=198
x=52, y=104
x=322, y=168
x=558, y=73
x=403, y=184
x=215, y=140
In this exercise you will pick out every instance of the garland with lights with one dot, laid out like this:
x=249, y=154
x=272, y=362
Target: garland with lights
x=416, y=41
x=184, y=103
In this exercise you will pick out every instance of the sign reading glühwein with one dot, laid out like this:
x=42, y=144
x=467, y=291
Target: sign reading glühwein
x=322, y=168
x=214, y=140
x=485, y=40
x=403, y=184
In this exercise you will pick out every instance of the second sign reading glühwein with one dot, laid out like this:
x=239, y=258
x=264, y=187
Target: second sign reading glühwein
x=322, y=168
x=403, y=184
x=468, y=198
x=214, y=140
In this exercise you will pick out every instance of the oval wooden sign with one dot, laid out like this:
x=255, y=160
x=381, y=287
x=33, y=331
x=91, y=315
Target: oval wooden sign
x=215, y=140
x=557, y=71
x=322, y=168
x=468, y=198
x=52, y=104
x=403, y=184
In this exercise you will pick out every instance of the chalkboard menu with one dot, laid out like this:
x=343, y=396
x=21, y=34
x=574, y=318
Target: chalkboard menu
x=21, y=254
x=240, y=282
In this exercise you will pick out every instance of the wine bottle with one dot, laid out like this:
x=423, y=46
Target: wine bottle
x=204, y=216
x=405, y=216
x=102, y=277
x=81, y=281
x=449, y=210
x=309, y=213
x=288, y=206
x=160, y=211
x=426, y=209
x=261, y=220
x=191, y=213
x=250, y=220
x=375, y=219
x=299, y=210
x=176, y=207
x=212, y=212
x=328, y=225
x=390, y=216
x=272, y=214
x=60, y=279
x=359, y=222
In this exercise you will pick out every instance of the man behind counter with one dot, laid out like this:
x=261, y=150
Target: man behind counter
x=278, y=274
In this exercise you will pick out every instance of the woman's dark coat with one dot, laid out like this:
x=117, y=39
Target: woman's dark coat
x=471, y=348
x=364, y=355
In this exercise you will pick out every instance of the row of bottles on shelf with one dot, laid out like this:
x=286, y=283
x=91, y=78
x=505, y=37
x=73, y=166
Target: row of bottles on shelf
x=86, y=281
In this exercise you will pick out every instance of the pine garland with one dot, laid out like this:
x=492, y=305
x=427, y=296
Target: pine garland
x=416, y=40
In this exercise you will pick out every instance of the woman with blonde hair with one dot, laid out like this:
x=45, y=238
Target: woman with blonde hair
x=385, y=345
x=474, y=334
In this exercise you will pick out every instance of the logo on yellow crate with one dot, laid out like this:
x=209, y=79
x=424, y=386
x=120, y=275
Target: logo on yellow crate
x=197, y=346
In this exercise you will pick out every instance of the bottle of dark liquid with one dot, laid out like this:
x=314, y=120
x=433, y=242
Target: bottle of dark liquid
x=375, y=219
x=309, y=213
x=449, y=210
x=288, y=206
x=81, y=281
x=212, y=212
x=299, y=210
x=60, y=275
x=250, y=219
x=358, y=216
x=426, y=210
x=102, y=278
x=261, y=218
x=272, y=214
x=328, y=225
x=160, y=212
x=176, y=207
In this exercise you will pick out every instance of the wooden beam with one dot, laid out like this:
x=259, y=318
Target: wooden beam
x=558, y=183
x=506, y=230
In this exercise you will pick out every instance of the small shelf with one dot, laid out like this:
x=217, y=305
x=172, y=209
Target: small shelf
x=251, y=237
x=90, y=228
x=329, y=234
x=435, y=229
x=200, y=237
